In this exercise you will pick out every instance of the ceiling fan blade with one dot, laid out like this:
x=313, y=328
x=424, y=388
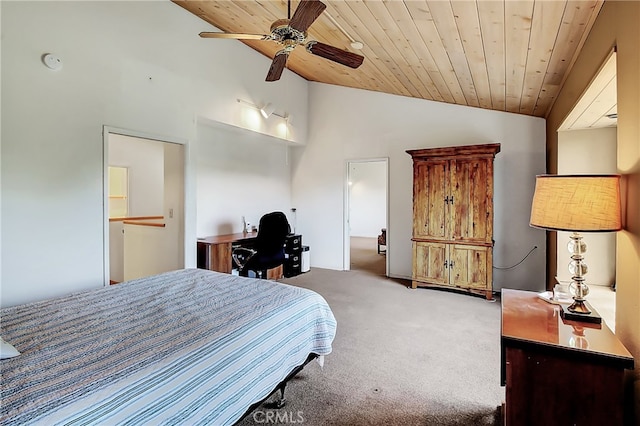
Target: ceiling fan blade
x=277, y=66
x=333, y=53
x=307, y=12
x=206, y=34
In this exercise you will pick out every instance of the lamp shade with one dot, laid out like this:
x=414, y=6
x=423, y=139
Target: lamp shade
x=581, y=203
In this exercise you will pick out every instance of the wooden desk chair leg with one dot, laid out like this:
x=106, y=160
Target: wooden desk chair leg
x=275, y=273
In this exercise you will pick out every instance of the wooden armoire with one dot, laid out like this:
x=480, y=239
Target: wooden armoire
x=453, y=218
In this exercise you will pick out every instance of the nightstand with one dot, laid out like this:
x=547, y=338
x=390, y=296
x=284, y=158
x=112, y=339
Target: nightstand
x=558, y=372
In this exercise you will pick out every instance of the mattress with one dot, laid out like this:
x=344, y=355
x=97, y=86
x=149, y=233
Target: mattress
x=189, y=346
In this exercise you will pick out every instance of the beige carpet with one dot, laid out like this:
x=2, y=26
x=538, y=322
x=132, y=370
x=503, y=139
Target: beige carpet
x=365, y=258
x=400, y=357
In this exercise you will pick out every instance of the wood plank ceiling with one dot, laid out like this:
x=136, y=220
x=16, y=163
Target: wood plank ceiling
x=505, y=55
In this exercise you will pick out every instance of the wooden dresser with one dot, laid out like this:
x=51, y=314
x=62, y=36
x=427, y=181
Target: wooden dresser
x=558, y=372
x=453, y=218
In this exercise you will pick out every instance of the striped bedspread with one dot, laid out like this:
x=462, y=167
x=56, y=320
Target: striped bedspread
x=184, y=347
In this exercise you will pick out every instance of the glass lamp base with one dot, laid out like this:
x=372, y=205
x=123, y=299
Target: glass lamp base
x=579, y=307
x=591, y=317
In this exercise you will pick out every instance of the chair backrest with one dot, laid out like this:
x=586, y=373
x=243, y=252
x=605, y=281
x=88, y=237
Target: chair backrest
x=272, y=232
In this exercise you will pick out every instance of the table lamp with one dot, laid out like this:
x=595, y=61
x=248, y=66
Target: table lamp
x=577, y=203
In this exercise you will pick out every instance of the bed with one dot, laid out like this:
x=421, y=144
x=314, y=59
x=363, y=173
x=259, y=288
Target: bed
x=184, y=347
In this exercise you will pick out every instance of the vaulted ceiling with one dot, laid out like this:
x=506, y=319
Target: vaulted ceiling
x=505, y=55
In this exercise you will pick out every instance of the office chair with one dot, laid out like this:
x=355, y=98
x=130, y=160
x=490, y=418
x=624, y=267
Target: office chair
x=268, y=247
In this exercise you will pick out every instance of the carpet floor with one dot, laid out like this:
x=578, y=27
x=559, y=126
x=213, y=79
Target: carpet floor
x=400, y=357
x=365, y=257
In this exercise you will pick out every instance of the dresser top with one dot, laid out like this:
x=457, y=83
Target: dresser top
x=531, y=321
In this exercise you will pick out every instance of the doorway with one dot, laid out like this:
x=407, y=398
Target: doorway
x=144, y=200
x=366, y=216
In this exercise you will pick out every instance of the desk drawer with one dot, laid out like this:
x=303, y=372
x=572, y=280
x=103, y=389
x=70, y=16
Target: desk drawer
x=292, y=267
x=293, y=257
x=293, y=244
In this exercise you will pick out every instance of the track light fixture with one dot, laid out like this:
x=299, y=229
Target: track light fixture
x=267, y=110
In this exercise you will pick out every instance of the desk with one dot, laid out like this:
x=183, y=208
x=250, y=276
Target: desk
x=214, y=253
x=558, y=372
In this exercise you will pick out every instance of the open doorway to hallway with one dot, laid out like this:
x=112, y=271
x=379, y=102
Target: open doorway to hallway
x=366, y=216
x=144, y=203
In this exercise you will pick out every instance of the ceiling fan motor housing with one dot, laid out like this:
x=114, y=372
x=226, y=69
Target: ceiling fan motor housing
x=289, y=36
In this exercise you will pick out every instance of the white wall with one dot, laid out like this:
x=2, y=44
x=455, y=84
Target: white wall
x=367, y=198
x=173, y=206
x=370, y=124
x=145, y=160
x=148, y=250
x=131, y=65
x=239, y=173
x=116, y=251
x=591, y=151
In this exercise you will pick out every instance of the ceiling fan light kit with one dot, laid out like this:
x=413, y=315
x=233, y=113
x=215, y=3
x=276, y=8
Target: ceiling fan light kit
x=291, y=33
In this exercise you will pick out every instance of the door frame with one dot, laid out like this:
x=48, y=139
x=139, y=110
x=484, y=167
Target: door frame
x=109, y=130
x=346, y=233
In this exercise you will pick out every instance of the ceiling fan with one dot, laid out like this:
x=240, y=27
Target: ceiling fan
x=292, y=32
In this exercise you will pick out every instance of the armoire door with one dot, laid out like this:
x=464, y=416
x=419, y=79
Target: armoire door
x=429, y=264
x=470, y=201
x=430, y=212
x=468, y=266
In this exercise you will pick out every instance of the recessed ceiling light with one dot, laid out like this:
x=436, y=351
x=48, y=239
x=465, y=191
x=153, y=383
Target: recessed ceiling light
x=357, y=45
